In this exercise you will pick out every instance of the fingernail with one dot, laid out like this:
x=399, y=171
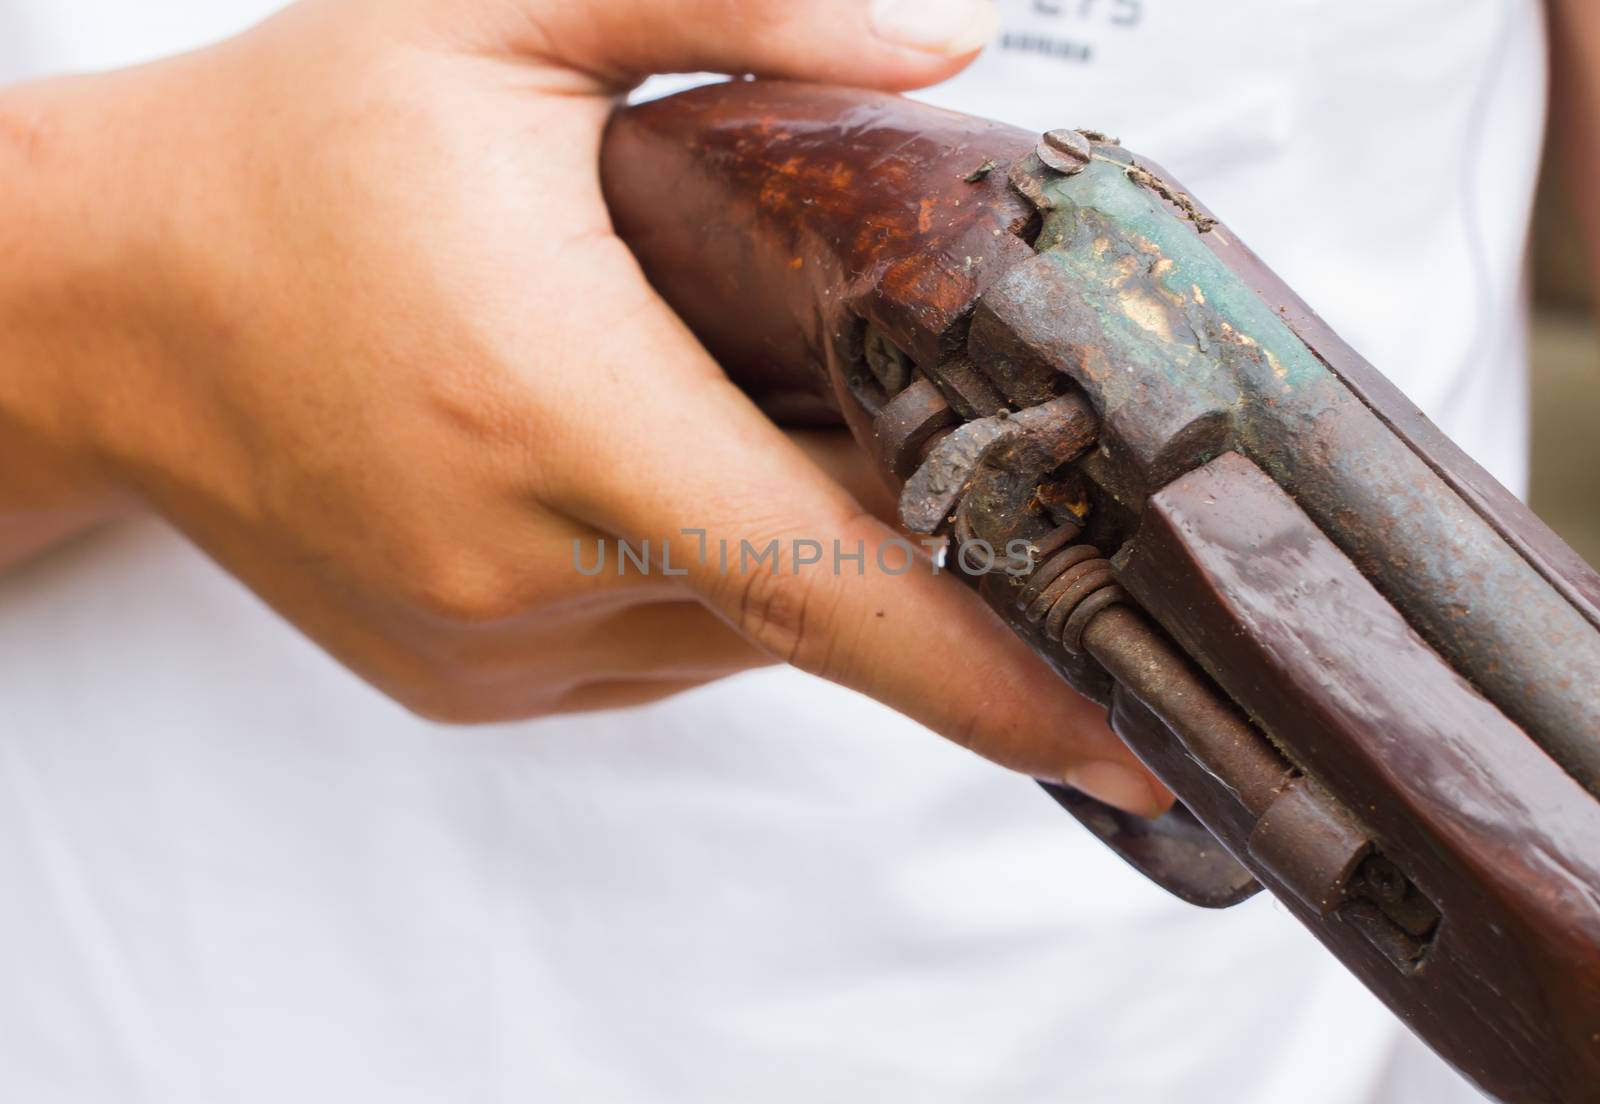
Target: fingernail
x=1116, y=784
x=951, y=27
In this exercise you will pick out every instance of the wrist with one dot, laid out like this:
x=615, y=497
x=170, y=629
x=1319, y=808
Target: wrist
x=83, y=274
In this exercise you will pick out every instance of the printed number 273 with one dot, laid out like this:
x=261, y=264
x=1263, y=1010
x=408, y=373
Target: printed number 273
x=1122, y=13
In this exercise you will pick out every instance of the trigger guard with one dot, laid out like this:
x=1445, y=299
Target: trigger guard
x=1175, y=851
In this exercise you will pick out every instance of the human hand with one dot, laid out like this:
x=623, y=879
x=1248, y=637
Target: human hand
x=347, y=309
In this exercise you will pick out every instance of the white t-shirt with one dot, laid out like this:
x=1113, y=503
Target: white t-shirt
x=233, y=873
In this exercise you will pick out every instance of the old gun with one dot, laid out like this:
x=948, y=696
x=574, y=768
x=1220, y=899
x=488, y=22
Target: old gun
x=1367, y=671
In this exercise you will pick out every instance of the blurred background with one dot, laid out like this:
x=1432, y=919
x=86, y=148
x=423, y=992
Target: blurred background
x=1566, y=378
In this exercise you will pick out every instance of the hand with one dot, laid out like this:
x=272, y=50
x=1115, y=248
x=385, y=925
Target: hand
x=341, y=300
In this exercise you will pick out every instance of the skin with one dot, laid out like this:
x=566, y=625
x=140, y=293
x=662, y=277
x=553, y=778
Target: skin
x=333, y=298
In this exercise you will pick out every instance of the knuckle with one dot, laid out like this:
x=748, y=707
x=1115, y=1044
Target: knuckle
x=484, y=404
x=782, y=615
x=465, y=590
x=794, y=612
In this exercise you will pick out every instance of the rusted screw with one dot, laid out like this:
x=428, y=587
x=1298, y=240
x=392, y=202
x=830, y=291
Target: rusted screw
x=1385, y=880
x=1065, y=151
x=889, y=365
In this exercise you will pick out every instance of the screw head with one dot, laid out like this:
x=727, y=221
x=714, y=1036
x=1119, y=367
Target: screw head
x=888, y=363
x=1065, y=151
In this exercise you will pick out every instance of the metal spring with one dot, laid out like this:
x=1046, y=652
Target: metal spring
x=1072, y=584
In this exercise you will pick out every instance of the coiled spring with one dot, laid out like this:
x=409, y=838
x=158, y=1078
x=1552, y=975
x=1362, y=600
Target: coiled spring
x=1072, y=584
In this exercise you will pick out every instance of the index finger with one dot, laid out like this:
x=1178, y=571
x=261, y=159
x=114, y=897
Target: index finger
x=797, y=565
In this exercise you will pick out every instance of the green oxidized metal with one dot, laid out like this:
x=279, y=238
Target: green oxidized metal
x=1185, y=361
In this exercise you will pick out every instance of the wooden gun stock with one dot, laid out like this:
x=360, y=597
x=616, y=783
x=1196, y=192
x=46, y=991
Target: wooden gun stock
x=1363, y=666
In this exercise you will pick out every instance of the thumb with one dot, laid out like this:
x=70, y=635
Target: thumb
x=789, y=559
x=874, y=43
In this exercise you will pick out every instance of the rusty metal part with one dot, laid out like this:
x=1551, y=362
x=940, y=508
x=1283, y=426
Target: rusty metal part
x=1004, y=504
x=1065, y=499
x=928, y=502
x=1395, y=916
x=1039, y=591
x=1184, y=857
x=989, y=165
x=935, y=439
x=1304, y=841
x=1076, y=592
x=1214, y=733
x=970, y=394
x=1016, y=370
x=889, y=364
x=1065, y=151
x=1026, y=178
x=1145, y=177
x=903, y=428
x=1031, y=441
x=1311, y=845
x=1051, y=434
x=1048, y=545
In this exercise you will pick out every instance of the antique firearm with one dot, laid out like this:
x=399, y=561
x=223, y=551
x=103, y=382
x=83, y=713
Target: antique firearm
x=1361, y=664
